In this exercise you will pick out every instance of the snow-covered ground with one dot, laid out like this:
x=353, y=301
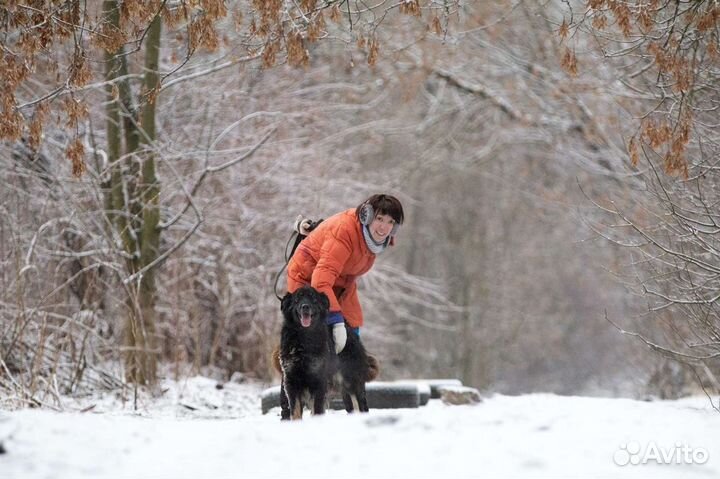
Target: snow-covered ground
x=198, y=431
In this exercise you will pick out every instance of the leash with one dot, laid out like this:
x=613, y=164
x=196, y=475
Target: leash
x=298, y=238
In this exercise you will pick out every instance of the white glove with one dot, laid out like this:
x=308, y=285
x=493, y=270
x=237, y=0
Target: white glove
x=340, y=337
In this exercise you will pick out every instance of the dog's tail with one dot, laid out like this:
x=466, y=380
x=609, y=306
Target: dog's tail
x=275, y=359
x=373, y=368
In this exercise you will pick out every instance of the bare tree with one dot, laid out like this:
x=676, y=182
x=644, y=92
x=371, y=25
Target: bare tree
x=665, y=56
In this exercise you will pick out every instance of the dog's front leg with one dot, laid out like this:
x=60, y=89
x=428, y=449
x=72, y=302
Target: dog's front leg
x=284, y=402
x=292, y=395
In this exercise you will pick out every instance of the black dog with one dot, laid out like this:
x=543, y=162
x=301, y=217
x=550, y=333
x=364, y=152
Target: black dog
x=308, y=359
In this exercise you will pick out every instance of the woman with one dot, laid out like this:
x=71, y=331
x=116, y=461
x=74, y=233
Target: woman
x=338, y=251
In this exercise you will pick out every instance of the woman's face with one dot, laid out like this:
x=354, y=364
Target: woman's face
x=381, y=227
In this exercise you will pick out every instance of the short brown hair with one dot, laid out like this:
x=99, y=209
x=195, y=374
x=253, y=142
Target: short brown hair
x=384, y=205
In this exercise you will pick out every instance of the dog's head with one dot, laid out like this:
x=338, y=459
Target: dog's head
x=305, y=307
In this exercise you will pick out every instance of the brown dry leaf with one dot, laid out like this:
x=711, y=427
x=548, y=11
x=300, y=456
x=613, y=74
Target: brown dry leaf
x=633, y=151
x=76, y=154
x=664, y=59
x=69, y=13
x=656, y=134
x=36, y=126
x=675, y=164
x=109, y=38
x=195, y=32
x=297, y=53
x=709, y=20
x=645, y=18
x=622, y=16
x=80, y=73
x=410, y=7
x=600, y=22
x=335, y=13
x=712, y=50
x=316, y=28
x=202, y=33
x=11, y=121
x=29, y=43
x=270, y=13
x=173, y=16
x=214, y=9
x=569, y=62
x=436, y=25
x=684, y=75
x=307, y=6
x=152, y=94
x=75, y=110
x=564, y=30
x=682, y=131
x=14, y=71
x=211, y=41
x=270, y=53
x=373, y=51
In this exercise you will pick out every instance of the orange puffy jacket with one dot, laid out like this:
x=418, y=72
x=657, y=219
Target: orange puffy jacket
x=330, y=259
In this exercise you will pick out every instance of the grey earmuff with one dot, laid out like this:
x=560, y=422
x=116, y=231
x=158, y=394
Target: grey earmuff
x=367, y=215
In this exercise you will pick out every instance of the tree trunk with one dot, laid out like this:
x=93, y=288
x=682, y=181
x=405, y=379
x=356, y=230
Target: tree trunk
x=142, y=331
x=133, y=193
x=114, y=198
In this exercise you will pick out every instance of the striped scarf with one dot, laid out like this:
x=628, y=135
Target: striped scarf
x=374, y=246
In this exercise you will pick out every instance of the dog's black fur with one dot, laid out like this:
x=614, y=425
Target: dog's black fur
x=304, y=352
x=308, y=359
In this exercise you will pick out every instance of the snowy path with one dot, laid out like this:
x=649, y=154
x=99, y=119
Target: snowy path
x=535, y=435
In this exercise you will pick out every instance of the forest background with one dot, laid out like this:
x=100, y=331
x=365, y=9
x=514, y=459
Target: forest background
x=556, y=161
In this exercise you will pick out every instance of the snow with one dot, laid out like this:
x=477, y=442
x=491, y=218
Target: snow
x=195, y=430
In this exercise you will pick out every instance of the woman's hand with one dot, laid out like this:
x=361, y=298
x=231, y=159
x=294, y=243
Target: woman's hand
x=336, y=320
x=340, y=336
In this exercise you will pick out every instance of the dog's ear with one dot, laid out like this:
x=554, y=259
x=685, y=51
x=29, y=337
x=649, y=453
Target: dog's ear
x=324, y=301
x=286, y=304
